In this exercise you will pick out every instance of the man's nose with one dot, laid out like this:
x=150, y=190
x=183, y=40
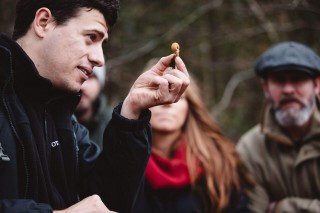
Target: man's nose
x=288, y=87
x=96, y=56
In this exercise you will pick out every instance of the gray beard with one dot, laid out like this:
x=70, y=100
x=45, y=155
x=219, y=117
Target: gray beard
x=294, y=117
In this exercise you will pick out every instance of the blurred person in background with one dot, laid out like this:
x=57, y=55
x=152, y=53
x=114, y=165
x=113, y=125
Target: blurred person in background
x=92, y=111
x=193, y=167
x=283, y=151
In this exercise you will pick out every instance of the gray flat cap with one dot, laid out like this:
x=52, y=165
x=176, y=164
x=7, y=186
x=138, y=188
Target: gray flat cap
x=288, y=56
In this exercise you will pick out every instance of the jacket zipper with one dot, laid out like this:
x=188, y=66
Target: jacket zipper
x=46, y=124
x=76, y=152
x=76, y=156
x=76, y=148
x=10, y=118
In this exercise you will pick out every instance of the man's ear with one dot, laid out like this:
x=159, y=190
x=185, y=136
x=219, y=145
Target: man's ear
x=42, y=21
x=317, y=85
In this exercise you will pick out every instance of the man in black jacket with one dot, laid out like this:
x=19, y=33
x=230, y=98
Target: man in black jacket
x=47, y=161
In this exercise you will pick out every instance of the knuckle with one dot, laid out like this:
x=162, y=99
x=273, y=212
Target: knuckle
x=95, y=197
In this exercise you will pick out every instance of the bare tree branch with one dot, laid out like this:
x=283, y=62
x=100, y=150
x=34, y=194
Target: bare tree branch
x=180, y=26
x=231, y=37
x=177, y=28
x=235, y=80
x=255, y=31
x=295, y=3
x=266, y=24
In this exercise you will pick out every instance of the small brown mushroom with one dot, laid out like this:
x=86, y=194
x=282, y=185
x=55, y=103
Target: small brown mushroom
x=175, y=48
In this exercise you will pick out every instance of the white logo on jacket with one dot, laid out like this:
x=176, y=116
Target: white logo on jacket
x=55, y=143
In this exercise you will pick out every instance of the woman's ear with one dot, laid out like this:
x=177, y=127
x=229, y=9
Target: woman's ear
x=42, y=21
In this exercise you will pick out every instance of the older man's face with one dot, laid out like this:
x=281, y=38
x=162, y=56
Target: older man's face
x=292, y=95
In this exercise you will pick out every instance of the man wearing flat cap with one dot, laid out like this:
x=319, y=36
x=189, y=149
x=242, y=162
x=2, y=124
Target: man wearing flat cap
x=282, y=152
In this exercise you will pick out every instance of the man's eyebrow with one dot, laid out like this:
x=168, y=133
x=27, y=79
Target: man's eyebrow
x=100, y=33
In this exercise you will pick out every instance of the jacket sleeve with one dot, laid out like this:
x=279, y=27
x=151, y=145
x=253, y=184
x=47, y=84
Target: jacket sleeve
x=120, y=167
x=23, y=206
x=257, y=195
x=258, y=199
x=295, y=204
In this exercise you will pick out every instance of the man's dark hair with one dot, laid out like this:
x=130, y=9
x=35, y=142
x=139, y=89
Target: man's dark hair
x=62, y=11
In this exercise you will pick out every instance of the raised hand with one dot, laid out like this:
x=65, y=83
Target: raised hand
x=159, y=85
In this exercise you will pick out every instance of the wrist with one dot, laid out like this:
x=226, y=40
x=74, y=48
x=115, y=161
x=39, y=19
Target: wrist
x=128, y=110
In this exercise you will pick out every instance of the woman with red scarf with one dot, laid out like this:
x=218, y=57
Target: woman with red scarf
x=193, y=167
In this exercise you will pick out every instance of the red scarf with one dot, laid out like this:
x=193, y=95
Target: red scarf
x=167, y=173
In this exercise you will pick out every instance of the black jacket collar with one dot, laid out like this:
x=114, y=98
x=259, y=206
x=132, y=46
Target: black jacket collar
x=26, y=78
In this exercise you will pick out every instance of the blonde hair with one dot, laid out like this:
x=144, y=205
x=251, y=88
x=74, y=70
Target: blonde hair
x=206, y=143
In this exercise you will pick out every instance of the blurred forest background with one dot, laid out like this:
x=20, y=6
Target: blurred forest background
x=219, y=39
